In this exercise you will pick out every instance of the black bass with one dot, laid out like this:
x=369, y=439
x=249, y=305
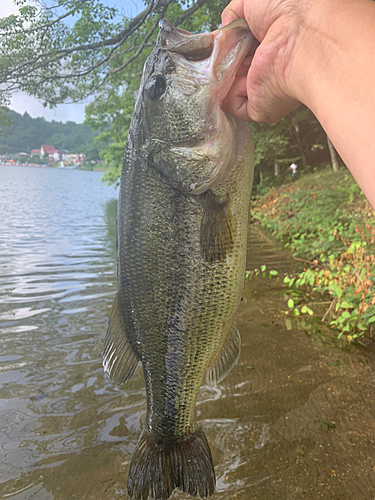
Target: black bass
x=181, y=245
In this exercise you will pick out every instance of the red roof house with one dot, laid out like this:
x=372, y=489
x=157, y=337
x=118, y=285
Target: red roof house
x=47, y=149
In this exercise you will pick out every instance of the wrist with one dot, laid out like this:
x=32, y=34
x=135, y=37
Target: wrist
x=333, y=73
x=326, y=48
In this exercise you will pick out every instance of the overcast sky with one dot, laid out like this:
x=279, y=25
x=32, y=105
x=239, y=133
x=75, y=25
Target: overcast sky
x=65, y=112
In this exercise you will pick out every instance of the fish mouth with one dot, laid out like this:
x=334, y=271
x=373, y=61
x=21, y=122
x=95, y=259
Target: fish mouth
x=192, y=47
x=219, y=54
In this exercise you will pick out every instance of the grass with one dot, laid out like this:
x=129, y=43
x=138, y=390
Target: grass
x=325, y=220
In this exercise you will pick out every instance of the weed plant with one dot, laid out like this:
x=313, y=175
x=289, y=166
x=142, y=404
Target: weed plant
x=325, y=220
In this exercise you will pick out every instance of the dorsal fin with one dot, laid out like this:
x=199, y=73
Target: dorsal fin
x=119, y=358
x=227, y=358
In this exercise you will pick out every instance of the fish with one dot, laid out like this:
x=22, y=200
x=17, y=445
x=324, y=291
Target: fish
x=182, y=224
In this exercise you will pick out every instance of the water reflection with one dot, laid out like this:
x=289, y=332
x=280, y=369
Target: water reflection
x=57, y=276
x=291, y=412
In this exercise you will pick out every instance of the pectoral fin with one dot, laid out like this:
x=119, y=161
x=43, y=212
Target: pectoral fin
x=227, y=358
x=216, y=229
x=119, y=358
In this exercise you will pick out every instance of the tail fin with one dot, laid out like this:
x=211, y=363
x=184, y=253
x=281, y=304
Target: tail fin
x=158, y=469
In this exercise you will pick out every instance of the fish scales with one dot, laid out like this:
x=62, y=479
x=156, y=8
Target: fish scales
x=178, y=300
x=181, y=239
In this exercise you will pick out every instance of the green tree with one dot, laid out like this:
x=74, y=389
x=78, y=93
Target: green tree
x=25, y=133
x=296, y=138
x=66, y=50
x=5, y=119
x=37, y=160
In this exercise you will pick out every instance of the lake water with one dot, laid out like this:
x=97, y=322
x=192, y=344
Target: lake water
x=294, y=419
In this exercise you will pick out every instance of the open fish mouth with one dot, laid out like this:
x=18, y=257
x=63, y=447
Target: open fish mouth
x=220, y=53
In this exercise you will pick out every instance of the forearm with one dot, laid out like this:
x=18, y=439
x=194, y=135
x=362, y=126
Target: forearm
x=333, y=73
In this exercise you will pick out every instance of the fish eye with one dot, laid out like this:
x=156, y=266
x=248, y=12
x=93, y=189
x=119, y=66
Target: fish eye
x=155, y=87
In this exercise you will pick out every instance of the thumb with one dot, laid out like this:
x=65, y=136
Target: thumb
x=232, y=12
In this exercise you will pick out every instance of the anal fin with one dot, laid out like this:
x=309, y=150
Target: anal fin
x=119, y=358
x=217, y=228
x=227, y=358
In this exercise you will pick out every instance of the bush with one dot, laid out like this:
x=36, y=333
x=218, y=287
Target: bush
x=325, y=218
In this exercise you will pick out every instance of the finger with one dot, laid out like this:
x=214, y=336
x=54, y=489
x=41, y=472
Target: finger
x=235, y=103
x=233, y=11
x=268, y=97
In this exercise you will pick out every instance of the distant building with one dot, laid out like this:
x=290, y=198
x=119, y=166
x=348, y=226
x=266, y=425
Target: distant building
x=50, y=151
x=63, y=155
x=75, y=158
x=6, y=159
x=54, y=155
x=72, y=158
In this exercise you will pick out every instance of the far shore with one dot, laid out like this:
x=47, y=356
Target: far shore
x=35, y=165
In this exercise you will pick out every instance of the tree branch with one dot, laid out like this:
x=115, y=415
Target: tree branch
x=188, y=12
x=32, y=67
x=118, y=40
x=141, y=47
x=57, y=20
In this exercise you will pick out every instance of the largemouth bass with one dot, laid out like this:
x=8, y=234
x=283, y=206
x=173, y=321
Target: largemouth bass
x=181, y=245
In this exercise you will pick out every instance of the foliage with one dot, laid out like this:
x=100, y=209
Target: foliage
x=5, y=119
x=293, y=137
x=324, y=218
x=37, y=160
x=26, y=133
x=305, y=213
x=114, y=115
x=66, y=50
x=348, y=277
x=270, y=141
x=296, y=138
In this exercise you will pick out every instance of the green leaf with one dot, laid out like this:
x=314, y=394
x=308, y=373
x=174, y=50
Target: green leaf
x=273, y=272
x=345, y=315
x=336, y=290
x=346, y=305
x=290, y=303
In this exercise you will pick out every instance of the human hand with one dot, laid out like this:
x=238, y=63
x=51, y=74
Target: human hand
x=266, y=87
